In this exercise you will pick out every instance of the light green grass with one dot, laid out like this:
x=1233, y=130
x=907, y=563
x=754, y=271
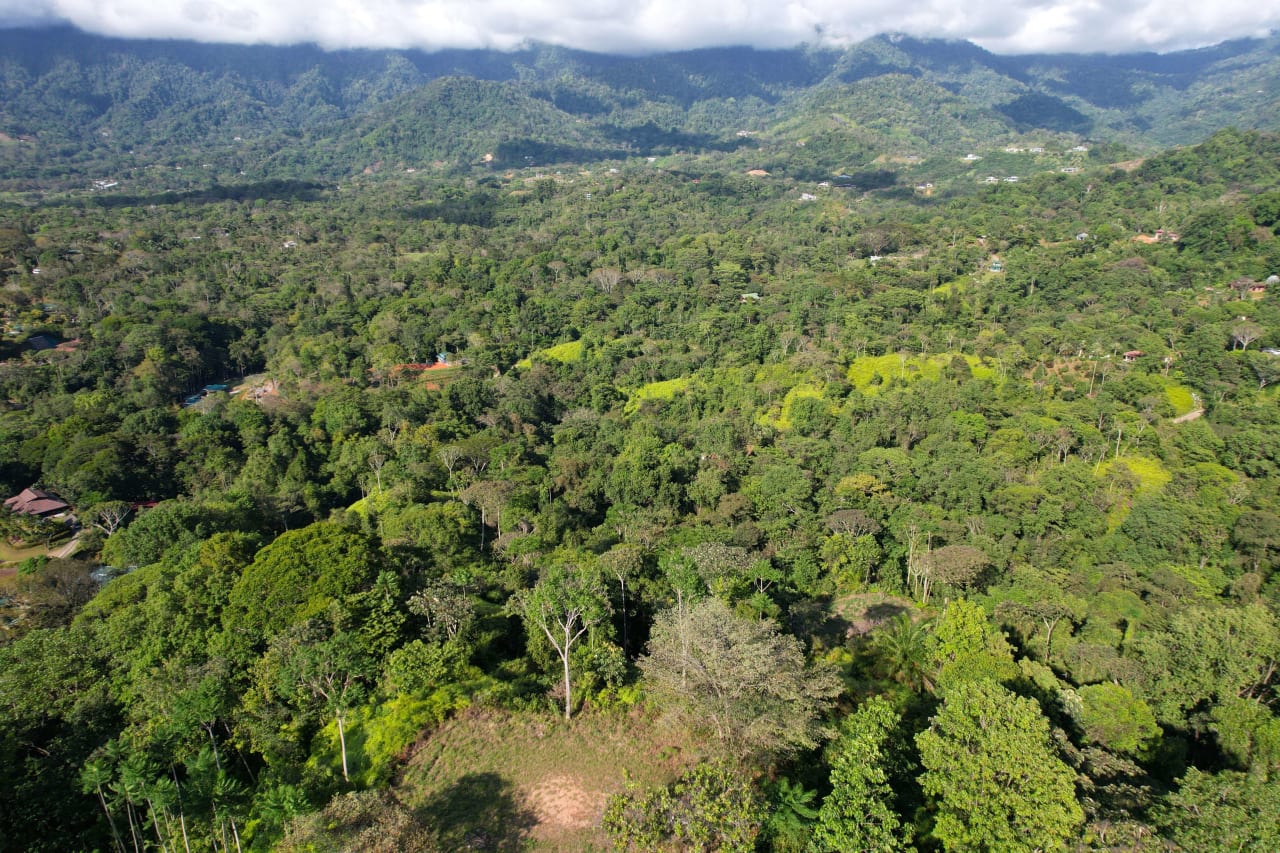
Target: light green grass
x=893, y=366
x=783, y=420
x=956, y=286
x=1180, y=397
x=1152, y=477
x=375, y=501
x=663, y=390
x=1151, y=473
x=1208, y=581
x=567, y=352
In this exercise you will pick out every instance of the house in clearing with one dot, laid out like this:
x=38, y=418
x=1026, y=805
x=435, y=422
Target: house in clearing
x=36, y=502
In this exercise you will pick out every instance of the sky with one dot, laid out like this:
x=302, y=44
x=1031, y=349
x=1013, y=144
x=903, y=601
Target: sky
x=648, y=26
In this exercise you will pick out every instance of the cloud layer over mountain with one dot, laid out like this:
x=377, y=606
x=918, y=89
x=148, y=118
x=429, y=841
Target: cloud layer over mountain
x=641, y=26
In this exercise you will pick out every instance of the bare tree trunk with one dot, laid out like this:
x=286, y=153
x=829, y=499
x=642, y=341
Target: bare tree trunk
x=1048, y=639
x=342, y=740
x=622, y=581
x=115, y=833
x=568, y=687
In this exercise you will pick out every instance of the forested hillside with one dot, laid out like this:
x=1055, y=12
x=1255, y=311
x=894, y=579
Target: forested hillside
x=825, y=491
x=72, y=104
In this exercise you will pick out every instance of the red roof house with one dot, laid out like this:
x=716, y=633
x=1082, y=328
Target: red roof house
x=36, y=502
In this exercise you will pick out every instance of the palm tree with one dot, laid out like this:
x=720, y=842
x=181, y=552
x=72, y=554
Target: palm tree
x=902, y=653
x=791, y=823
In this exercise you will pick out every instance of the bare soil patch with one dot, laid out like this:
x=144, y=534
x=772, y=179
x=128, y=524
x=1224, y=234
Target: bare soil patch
x=867, y=611
x=562, y=802
x=551, y=779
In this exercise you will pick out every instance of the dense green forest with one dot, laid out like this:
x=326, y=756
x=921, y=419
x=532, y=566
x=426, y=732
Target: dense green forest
x=853, y=503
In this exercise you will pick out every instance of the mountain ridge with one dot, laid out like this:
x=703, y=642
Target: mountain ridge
x=90, y=99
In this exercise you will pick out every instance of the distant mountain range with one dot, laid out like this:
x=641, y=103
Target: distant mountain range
x=71, y=102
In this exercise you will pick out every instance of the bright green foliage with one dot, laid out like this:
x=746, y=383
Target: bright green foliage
x=713, y=808
x=852, y=559
x=902, y=653
x=1207, y=654
x=169, y=526
x=375, y=737
x=859, y=814
x=320, y=671
x=1114, y=718
x=664, y=390
x=567, y=352
x=905, y=367
x=965, y=646
x=791, y=823
x=993, y=777
x=1249, y=732
x=1222, y=813
x=298, y=576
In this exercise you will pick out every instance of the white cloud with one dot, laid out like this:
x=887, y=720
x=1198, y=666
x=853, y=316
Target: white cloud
x=1004, y=26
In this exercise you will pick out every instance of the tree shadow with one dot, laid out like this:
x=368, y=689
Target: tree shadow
x=815, y=618
x=884, y=611
x=478, y=812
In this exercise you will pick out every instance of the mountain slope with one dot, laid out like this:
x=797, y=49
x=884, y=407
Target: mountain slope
x=98, y=101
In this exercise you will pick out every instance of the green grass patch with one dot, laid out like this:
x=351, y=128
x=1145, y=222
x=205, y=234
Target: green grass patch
x=1151, y=474
x=956, y=286
x=863, y=371
x=375, y=501
x=1180, y=397
x=783, y=419
x=1208, y=581
x=663, y=390
x=542, y=781
x=567, y=352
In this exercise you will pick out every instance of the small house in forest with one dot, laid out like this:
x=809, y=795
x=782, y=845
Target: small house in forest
x=36, y=502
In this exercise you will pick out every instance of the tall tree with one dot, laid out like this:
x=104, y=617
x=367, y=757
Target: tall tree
x=993, y=776
x=568, y=601
x=325, y=669
x=743, y=678
x=858, y=815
